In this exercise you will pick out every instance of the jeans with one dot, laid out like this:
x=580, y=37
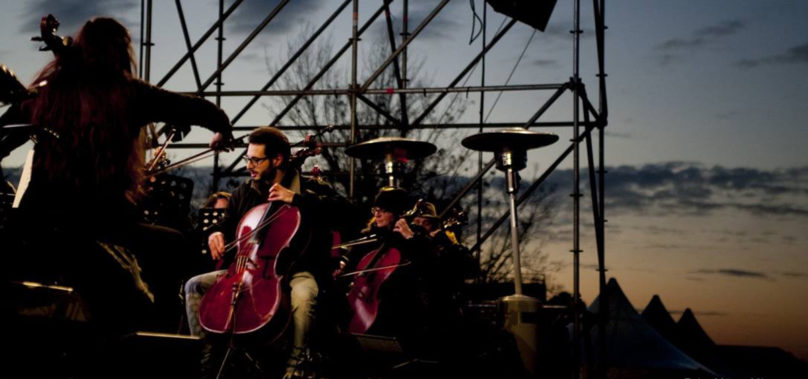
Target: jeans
x=303, y=299
x=195, y=288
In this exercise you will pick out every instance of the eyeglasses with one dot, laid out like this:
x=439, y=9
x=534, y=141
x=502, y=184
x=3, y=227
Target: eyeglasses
x=254, y=160
x=375, y=210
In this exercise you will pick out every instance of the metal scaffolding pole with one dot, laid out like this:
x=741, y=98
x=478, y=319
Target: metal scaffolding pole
x=354, y=48
x=479, y=231
x=214, y=185
x=598, y=7
x=405, y=33
x=576, y=195
x=147, y=43
x=381, y=91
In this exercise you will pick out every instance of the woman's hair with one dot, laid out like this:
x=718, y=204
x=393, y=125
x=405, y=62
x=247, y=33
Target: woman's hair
x=211, y=201
x=85, y=104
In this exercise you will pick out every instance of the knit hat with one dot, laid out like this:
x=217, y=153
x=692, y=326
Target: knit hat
x=391, y=199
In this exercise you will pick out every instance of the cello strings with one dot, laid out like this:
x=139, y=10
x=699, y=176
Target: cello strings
x=252, y=233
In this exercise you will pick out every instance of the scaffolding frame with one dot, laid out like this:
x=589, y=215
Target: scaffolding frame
x=593, y=119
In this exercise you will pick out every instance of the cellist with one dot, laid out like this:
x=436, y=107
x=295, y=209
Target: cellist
x=267, y=159
x=401, y=309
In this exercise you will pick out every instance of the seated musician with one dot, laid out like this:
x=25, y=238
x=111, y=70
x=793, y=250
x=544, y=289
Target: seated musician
x=401, y=303
x=451, y=263
x=267, y=157
x=454, y=261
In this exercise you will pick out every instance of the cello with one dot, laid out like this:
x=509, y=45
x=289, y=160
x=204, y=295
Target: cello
x=372, y=271
x=377, y=266
x=251, y=294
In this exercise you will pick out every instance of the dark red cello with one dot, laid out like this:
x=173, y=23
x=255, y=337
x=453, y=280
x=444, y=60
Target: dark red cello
x=363, y=297
x=251, y=295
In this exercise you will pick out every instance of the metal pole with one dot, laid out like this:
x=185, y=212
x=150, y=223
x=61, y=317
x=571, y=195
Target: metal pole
x=475, y=125
x=478, y=255
x=147, y=59
x=354, y=47
x=405, y=117
x=399, y=81
x=142, y=26
x=513, y=186
x=214, y=185
x=381, y=91
x=600, y=223
x=576, y=192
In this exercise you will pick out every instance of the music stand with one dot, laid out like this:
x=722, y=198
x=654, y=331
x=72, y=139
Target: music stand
x=395, y=151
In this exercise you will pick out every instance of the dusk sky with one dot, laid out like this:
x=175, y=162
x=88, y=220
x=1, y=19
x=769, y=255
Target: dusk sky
x=707, y=190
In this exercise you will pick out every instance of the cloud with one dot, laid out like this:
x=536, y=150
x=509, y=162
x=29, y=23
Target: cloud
x=452, y=16
x=733, y=273
x=249, y=15
x=703, y=36
x=794, y=55
x=621, y=135
x=724, y=29
x=548, y=63
x=73, y=13
x=669, y=51
x=689, y=188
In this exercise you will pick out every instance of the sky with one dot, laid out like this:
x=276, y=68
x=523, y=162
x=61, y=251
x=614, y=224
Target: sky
x=707, y=190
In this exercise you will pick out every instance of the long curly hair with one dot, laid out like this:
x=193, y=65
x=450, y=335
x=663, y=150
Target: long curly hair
x=85, y=104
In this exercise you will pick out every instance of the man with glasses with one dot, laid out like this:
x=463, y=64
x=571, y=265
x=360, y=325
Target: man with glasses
x=267, y=159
